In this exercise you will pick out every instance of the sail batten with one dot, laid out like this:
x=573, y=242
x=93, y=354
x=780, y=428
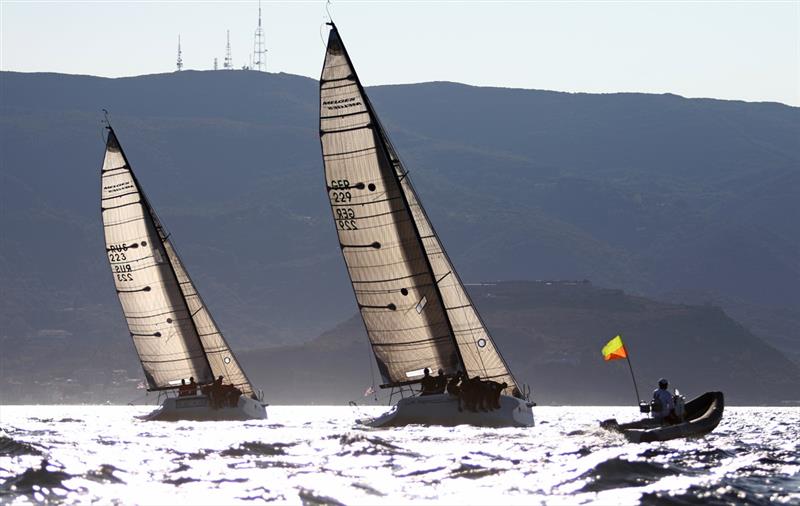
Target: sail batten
x=415, y=309
x=174, y=336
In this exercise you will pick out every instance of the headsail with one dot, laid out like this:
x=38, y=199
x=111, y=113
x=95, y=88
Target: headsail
x=172, y=331
x=414, y=306
x=220, y=357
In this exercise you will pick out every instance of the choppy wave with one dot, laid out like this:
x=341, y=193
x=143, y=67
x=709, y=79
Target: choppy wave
x=619, y=472
x=11, y=448
x=41, y=483
x=317, y=455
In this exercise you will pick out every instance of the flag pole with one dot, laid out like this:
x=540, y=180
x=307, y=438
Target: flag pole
x=638, y=398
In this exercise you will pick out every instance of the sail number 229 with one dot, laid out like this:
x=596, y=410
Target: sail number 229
x=345, y=217
x=340, y=193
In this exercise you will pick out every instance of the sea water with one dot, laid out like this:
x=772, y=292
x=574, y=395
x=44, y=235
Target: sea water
x=320, y=455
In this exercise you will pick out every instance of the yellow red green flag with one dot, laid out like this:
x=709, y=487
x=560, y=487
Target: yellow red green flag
x=614, y=350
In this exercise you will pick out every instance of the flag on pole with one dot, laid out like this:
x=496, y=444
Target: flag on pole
x=614, y=350
x=369, y=391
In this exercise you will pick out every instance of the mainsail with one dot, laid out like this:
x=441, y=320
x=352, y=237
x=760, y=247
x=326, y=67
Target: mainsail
x=173, y=332
x=414, y=306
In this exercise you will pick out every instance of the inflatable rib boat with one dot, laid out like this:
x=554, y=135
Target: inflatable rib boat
x=702, y=416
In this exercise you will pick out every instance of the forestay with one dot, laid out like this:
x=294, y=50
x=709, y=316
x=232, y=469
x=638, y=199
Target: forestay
x=173, y=333
x=415, y=309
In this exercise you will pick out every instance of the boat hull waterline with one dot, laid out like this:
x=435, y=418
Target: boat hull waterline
x=198, y=408
x=703, y=414
x=442, y=409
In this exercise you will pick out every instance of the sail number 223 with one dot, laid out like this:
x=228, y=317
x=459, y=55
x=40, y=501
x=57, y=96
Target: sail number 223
x=123, y=272
x=116, y=254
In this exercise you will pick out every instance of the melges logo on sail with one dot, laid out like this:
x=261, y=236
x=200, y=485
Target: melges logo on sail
x=342, y=103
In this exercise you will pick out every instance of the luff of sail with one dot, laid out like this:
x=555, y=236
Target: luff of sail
x=172, y=331
x=374, y=203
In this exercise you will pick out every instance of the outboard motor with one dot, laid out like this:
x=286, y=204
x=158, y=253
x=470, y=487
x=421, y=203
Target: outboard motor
x=644, y=407
x=680, y=405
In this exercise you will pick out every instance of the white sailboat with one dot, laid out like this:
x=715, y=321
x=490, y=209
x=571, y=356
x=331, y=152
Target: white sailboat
x=414, y=306
x=174, y=334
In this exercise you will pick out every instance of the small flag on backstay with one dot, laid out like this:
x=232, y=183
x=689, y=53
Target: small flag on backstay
x=369, y=391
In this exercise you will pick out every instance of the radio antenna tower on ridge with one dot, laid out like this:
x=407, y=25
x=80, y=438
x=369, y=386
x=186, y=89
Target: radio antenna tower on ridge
x=227, y=64
x=179, y=63
x=259, y=49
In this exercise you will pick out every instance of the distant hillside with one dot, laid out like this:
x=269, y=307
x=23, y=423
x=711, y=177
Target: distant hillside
x=654, y=194
x=549, y=332
x=551, y=335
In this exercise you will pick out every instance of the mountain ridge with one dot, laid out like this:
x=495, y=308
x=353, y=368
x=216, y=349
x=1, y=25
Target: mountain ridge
x=654, y=194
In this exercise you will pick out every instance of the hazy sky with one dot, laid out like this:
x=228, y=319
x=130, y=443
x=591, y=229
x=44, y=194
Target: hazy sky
x=731, y=50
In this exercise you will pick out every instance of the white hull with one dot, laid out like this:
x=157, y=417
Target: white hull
x=442, y=409
x=198, y=408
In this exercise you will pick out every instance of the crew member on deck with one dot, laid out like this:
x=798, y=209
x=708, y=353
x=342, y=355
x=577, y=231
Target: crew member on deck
x=662, y=401
x=216, y=394
x=441, y=382
x=192, y=387
x=428, y=383
x=183, y=390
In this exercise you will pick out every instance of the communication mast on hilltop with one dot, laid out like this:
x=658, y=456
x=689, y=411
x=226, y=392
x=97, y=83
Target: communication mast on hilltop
x=227, y=64
x=179, y=63
x=259, y=49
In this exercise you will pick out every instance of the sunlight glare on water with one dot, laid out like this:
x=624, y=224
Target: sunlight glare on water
x=320, y=455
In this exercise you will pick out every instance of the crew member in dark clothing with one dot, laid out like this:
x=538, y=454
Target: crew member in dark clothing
x=192, y=387
x=183, y=390
x=428, y=383
x=471, y=392
x=216, y=394
x=452, y=385
x=441, y=382
x=453, y=388
x=493, y=391
x=232, y=395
